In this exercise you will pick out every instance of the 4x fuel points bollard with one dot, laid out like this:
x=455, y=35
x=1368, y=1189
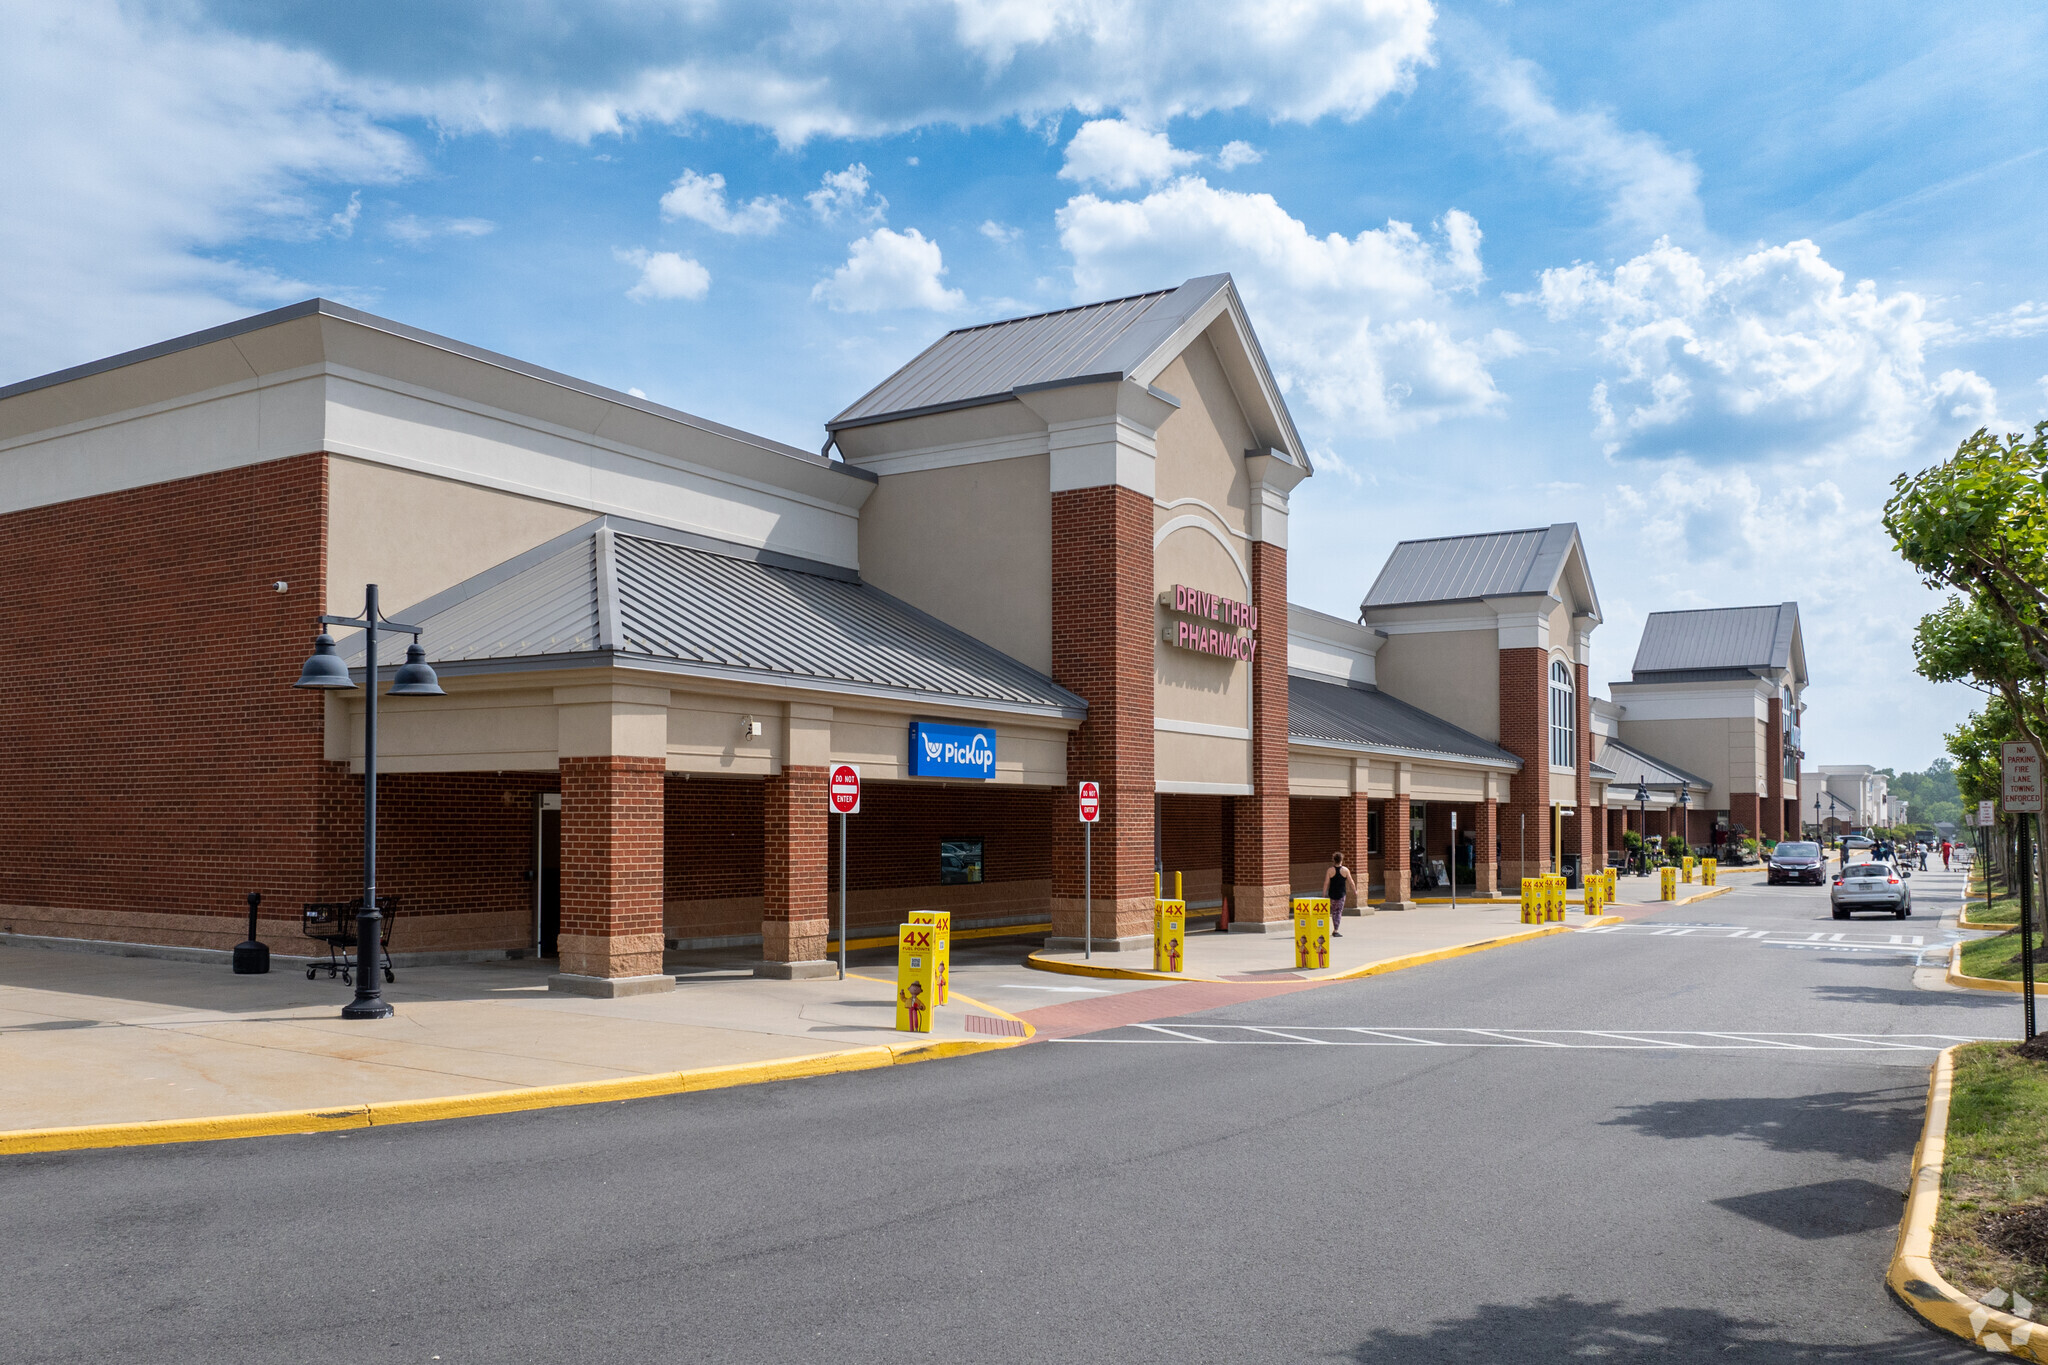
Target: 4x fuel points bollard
x=1685, y=870
x=1532, y=900
x=1596, y=894
x=917, y=977
x=1169, y=935
x=1667, y=884
x=1311, y=931
x=1709, y=867
x=942, y=922
x=1553, y=898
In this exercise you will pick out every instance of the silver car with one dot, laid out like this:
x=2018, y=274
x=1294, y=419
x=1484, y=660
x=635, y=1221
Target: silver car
x=1872, y=886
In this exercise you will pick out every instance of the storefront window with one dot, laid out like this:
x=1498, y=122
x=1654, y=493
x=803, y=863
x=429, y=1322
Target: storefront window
x=959, y=861
x=1372, y=832
x=1564, y=717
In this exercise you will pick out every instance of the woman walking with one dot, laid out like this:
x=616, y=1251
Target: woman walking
x=1339, y=890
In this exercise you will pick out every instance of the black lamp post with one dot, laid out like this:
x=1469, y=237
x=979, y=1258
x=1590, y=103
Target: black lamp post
x=1685, y=815
x=415, y=678
x=1643, y=820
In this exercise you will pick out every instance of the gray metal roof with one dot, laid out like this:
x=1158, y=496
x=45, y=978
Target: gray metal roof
x=1362, y=715
x=1631, y=765
x=625, y=594
x=1719, y=637
x=1466, y=568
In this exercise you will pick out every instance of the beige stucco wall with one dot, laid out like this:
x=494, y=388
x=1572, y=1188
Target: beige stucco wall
x=972, y=545
x=1187, y=684
x=1726, y=751
x=1201, y=447
x=413, y=534
x=1313, y=774
x=1430, y=783
x=1200, y=758
x=1454, y=674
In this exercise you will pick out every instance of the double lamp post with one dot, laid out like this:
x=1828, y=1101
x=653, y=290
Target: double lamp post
x=326, y=671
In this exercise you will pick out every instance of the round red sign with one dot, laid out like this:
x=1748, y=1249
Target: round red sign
x=1091, y=803
x=845, y=789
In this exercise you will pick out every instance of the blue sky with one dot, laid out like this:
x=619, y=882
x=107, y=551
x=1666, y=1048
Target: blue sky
x=1700, y=277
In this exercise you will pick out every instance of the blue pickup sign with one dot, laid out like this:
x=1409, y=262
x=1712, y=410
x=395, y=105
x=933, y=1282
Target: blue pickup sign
x=952, y=751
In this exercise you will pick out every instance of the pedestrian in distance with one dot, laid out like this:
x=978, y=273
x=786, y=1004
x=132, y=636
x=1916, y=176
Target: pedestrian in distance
x=1339, y=890
x=1946, y=849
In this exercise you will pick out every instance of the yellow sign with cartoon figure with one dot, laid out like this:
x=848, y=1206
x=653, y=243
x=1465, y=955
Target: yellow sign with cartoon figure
x=1311, y=931
x=917, y=977
x=1667, y=883
x=1685, y=870
x=1596, y=894
x=1709, y=867
x=942, y=920
x=1169, y=936
x=1553, y=899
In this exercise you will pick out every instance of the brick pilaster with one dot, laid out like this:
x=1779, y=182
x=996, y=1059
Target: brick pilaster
x=1351, y=832
x=1772, y=808
x=1525, y=733
x=1487, y=877
x=795, y=816
x=1743, y=810
x=1584, y=839
x=1394, y=813
x=1102, y=586
x=1263, y=888
x=613, y=828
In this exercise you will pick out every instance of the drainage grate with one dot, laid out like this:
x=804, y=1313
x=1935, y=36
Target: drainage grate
x=1002, y=1028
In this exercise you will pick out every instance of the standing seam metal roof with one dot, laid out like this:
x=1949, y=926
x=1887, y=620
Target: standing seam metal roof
x=1465, y=568
x=622, y=593
x=1359, y=713
x=1717, y=637
x=1631, y=765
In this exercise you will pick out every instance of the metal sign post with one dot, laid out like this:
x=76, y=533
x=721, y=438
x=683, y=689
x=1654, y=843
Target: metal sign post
x=1454, y=860
x=1091, y=811
x=2020, y=783
x=844, y=793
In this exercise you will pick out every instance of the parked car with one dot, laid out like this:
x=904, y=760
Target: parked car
x=1872, y=886
x=1858, y=841
x=1796, y=862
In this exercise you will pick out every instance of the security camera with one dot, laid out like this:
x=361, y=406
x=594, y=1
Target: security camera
x=281, y=586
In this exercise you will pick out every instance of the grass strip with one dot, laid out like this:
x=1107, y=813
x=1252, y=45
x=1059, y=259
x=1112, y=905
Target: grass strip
x=1994, y=1184
x=1999, y=958
x=2002, y=910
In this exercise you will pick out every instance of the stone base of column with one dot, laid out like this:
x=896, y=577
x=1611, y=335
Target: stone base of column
x=618, y=956
x=1130, y=943
x=809, y=970
x=794, y=940
x=1127, y=918
x=1262, y=905
x=609, y=987
x=1395, y=905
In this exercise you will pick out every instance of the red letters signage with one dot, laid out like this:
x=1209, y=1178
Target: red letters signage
x=1221, y=639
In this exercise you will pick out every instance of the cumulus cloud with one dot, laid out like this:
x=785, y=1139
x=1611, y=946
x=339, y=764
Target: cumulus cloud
x=1360, y=328
x=142, y=155
x=1651, y=190
x=845, y=68
x=2021, y=320
x=701, y=199
x=847, y=195
x=416, y=231
x=1119, y=155
x=1769, y=353
x=888, y=270
x=1235, y=154
x=1002, y=234
x=665, y=275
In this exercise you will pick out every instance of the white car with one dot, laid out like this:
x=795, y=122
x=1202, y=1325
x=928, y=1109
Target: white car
x=1872, y=886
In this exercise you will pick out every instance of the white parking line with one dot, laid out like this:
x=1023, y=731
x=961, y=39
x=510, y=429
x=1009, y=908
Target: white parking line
x=1530, y=1040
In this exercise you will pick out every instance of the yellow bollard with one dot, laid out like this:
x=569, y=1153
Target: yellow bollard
x=1179, y=894
x=1709, y=867
x=1596, y=894
x=1169, y=935
x=1311, y=931
x=1532, y=900
x=917, y=977
x=1685, y=870
x=1554, y=904
x=1667, y=889
x=941, y=920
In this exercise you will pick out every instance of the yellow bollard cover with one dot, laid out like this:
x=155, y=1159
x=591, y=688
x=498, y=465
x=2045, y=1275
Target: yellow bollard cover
x=917, y=977
x=1169, y=935
x=942, y=920
x=1311, y=931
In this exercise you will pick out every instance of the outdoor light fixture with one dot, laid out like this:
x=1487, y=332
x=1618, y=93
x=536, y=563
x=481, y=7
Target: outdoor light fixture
x=326, y=671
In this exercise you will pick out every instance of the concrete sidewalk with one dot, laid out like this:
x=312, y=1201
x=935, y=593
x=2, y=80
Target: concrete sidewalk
x=91, y=1039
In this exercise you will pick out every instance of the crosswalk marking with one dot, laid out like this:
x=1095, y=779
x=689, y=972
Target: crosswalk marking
x=1610, y=1040
x=1774, y=937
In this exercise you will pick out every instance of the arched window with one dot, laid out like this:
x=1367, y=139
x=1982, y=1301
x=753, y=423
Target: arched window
x=1564, y=717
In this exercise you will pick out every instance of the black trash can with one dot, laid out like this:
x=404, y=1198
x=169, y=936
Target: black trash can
x=1572, y=881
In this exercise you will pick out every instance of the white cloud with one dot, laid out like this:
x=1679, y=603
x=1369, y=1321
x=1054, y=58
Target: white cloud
x=889, y=270
x=1120, y=155
x=343, y=224
x=1235, y=154
x=1651, y=190
x=1360, y=328
x=416, y=231
x=2022, y=320
x=665, y=275
x=1000, y=233
x=845, y=194
x=701, y=198
x=1767, y=354
x=140, y=155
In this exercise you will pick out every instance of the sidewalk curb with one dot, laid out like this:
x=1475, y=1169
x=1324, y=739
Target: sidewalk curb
x=1391, y=964
x=1979, y=983
x=378, y=1114
x=1964, y=922
x=1912, y=1276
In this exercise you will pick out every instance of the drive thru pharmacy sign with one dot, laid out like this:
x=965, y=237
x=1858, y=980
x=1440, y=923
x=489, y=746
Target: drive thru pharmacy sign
x=2020, y=765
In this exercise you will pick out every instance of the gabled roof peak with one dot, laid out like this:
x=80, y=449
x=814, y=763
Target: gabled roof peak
x=1468, y=568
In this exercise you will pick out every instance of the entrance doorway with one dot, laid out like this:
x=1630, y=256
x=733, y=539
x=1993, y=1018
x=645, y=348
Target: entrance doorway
x=547, y=874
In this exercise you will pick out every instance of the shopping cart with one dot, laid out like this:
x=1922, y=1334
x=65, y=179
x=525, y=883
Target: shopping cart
x=334, y=923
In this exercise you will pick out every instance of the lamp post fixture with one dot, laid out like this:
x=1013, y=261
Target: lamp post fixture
x=1816, y=823
x=1685, y=815
x=1643, y=819
x=325, y=671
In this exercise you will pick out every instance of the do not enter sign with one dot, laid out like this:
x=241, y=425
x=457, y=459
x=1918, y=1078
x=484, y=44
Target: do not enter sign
x=1091, y=803
x=845, y=789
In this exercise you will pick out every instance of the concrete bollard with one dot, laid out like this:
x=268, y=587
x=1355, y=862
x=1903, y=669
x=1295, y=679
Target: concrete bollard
x=1709, y=869
x=917, y=977
x=1169, y=934
x=942, y=921
x=1311, y=931
x=1667, y=888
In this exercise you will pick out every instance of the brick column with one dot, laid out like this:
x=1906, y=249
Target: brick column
x=1771, y=809
x=1487, y=876
x=1584, y=841
x=1351, y=812
x=613, y=823
x=1525, y=733
x=795, y=913
x=1261, y=896
x=1102, y=586
x=1743, y=810
x=1394, y=852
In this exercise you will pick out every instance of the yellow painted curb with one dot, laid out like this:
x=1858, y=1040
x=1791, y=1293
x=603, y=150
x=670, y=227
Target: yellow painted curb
x=1982, y=983
x=1912, y=1275
x=1391, y=964
x=158, y=1132
x=1963, y=922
